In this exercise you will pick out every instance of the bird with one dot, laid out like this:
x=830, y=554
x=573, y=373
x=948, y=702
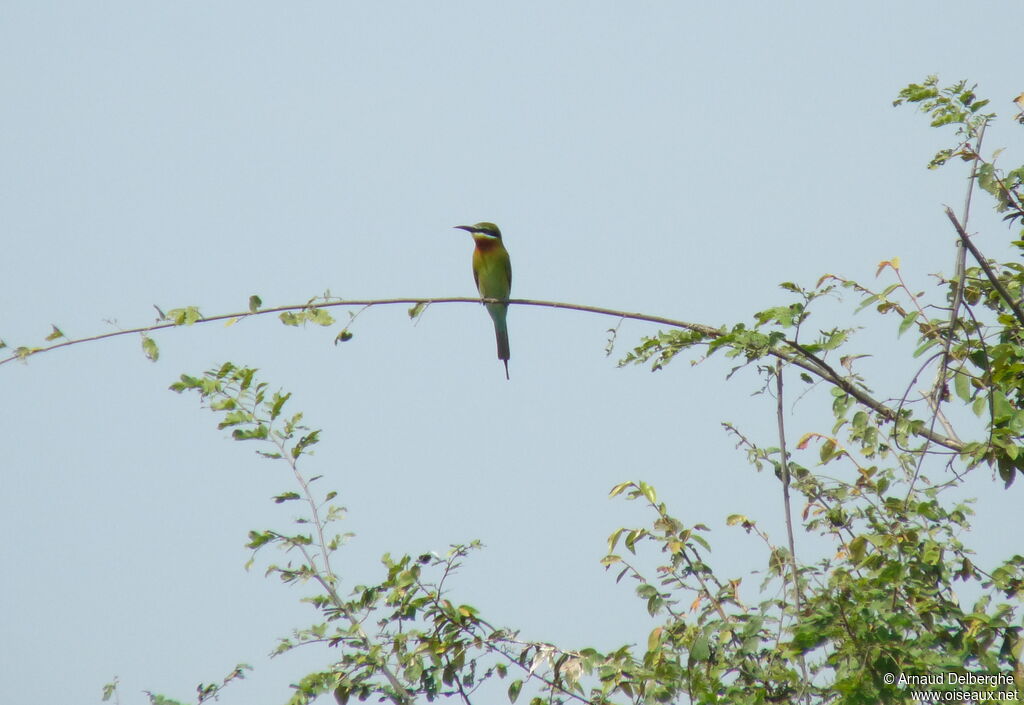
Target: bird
x=492, y=272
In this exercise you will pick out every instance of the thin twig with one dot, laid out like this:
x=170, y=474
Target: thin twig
x=905, y=399
x=784, y=464
x=937, y=410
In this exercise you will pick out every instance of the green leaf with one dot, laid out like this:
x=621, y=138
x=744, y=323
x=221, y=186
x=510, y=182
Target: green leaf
x=613, y=540
x=700, y=650
x=619, y=489
x=649, y=493
x=513, y=690
x=417, y=309
x=907, y=321
x=866, y=302
x=915, y=93
x=278, y=403
x=654, y=638
x=309, y=439
x=979, y=406
x=857, y=548
x=320, y=316
x=156, y=699
x=1001, y=407
x=827, y=451
x=962, y=386
x=343, y=337
x=925, y=346
x=254, y=305
x=184, y=316
x=259, y=538
x=632, y=537
x=149, y=348
x=55, y=334
x=260, y=433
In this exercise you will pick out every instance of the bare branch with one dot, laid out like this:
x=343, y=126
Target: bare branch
x=983, y=262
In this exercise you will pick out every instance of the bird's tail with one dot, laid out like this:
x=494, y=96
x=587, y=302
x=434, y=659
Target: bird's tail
x=498, y=313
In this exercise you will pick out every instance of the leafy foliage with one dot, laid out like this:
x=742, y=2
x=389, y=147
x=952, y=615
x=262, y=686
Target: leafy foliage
x=885, y=603
x=896, y=591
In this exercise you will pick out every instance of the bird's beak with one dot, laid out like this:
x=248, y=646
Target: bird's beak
x=467, y=228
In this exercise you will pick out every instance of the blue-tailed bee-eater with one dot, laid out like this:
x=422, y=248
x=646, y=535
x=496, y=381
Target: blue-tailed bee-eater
x=492, y=272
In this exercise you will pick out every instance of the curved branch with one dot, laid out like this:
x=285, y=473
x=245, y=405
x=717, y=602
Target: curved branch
x=800, y=356
x=24, y=353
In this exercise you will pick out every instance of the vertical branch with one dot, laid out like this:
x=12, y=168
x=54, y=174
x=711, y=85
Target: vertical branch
x=962, y=245
x=784, y=465
x=327, y=579
x=958, y=278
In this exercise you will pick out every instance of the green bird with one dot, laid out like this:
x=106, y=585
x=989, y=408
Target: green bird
x=492, y=272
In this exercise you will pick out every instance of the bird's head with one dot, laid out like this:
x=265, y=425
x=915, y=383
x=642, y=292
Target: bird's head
x=485, y=230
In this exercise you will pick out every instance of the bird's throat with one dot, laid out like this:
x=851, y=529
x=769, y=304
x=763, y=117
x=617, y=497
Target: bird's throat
x=485, y=243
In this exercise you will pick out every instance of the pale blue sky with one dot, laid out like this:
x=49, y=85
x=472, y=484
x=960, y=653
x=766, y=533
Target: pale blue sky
x=678, y=159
